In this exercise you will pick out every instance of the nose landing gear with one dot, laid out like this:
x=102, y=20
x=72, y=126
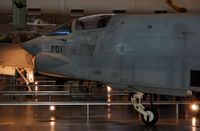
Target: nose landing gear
x=149, y=114
x=152, y=116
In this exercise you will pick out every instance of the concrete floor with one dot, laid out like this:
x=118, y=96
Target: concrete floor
x=102, y=118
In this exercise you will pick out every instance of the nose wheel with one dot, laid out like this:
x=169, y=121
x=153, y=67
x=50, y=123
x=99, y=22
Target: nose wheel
x=152, y=116
x=149, y=114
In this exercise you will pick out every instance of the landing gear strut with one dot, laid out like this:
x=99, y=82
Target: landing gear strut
x=29, y=78
x=149, y=114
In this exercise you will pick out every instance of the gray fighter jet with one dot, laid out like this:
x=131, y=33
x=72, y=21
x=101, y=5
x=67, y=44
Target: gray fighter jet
x=146, y=53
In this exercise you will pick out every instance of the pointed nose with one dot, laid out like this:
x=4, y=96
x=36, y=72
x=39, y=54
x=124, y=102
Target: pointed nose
x=33, y=46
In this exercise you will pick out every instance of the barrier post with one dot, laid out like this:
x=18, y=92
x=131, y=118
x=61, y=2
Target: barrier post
x=88, y=113
x=177, y=112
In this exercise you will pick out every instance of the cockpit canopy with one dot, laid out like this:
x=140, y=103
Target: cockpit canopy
x=65, y=29
x=93, y=22
x=84, y=23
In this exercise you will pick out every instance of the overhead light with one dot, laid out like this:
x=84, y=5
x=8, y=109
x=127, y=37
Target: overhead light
x=109, y=89
x=36, y=82
x=195, y=107
x=52, y=108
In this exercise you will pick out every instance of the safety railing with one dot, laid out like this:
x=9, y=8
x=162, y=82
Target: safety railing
x=89, y=104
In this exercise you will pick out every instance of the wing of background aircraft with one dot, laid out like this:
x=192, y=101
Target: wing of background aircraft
x=14, y=58
x=39, y=23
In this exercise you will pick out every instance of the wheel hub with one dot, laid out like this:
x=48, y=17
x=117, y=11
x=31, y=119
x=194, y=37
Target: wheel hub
x=149, y=117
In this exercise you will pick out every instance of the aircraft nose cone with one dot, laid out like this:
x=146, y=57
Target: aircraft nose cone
x=32, y=46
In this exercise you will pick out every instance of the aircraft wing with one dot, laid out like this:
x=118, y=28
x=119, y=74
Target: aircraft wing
x=12, y=56
x=41, y=25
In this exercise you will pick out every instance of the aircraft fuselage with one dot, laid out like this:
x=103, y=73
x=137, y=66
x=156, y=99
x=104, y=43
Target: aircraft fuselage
x=149, y=53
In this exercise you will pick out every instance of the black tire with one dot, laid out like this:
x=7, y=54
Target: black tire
x=154, y=117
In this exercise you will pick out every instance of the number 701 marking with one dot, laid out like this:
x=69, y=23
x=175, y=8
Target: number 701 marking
x=56, y=49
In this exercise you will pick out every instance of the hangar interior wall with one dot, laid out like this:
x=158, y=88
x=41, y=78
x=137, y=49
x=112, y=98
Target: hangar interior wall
x=93, y=6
